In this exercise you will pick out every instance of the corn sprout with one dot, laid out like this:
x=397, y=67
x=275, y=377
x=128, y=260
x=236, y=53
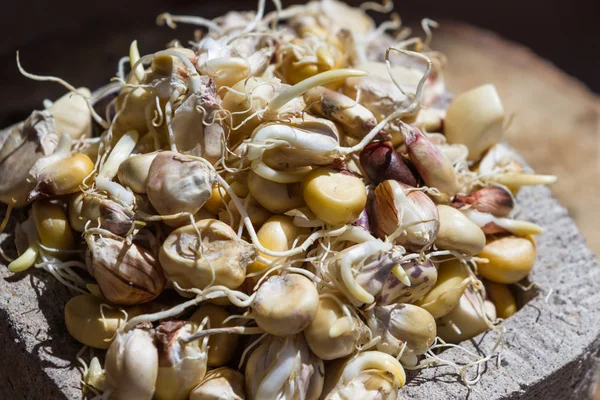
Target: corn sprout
x=302, y=177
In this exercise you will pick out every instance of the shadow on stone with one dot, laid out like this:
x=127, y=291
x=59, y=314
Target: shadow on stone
x=34, y=339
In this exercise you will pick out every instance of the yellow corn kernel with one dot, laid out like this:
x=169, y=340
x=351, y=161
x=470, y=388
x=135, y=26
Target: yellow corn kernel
x=334, y=197
x=63, y=177
x=221, y=347
x=278, y=234
x=502, y=298
x=146, y=144
x=83, y=208
x=475, y=119
x=133, y=115
x=133, y=172
x=168, y=64
x=294, y=74
x=275, y=197
x=325, y=58
x=217, y=200
x=85, y=323
x=240, y=189
x=451, y=284
x=510, y=259
x=457, y=232
x=89, y=325
x=53, y=226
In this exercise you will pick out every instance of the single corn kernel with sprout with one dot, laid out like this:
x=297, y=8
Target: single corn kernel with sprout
x=283, y=367
x=494, y=200
x=133, y=172
x=273, y=196
x=62, y=177
x=380, y=161
x=333, y=334
x=368, y=375
x=244, y=100
x=335, y=197
x=21, y=148
x=285, y=305
x=53, y=226
x=355, y=119
x=89, y=324
x=83, y=208
x=403, y=214
x=133, y=102
x=208, y=253
x=72, y=114
x=126, y=273
x=422, y=278
x=403, y=328
x=93, y=321
x=167, y=65
x=434, y=167
x=178, y=184
x=360, y=271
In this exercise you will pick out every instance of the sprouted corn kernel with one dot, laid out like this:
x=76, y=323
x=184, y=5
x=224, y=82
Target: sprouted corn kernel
x=283, y=168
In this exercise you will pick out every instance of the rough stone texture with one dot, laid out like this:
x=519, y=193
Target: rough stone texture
x=552, y=343
x=38, y=354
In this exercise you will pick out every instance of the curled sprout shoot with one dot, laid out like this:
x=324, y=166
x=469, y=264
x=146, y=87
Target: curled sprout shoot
x=67, y=85
x=300, y=88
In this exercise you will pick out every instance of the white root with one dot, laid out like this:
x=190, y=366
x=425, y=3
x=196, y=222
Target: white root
x=67, y=85
x=169, y=20
x=134, y=56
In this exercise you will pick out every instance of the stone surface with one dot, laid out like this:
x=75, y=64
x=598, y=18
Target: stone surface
x=552, y=345
x=38, y=358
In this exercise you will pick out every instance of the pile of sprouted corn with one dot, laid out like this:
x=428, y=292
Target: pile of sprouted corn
x=292, y=206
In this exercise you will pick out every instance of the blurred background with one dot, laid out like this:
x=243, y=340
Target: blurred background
x=541, y=54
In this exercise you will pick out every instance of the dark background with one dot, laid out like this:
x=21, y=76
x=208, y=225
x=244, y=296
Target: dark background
x=82, y=41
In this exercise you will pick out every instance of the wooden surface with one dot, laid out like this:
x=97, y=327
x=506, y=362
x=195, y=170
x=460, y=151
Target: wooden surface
x=556, y=124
